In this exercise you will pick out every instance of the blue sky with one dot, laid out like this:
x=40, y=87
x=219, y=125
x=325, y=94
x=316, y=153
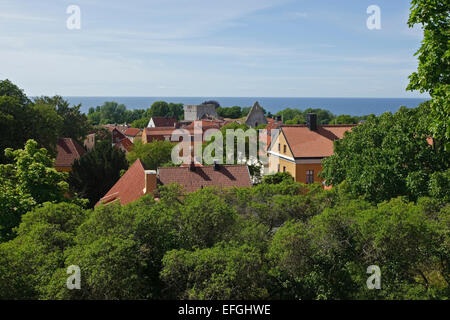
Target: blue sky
x=271, y=48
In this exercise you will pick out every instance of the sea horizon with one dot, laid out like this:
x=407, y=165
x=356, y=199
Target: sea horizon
x=339, y=105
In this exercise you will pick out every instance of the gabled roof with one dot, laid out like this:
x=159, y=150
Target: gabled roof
x=119, y=127
x=125, y=144
x=164, y=122
x=306, y=143
x=130, y=186
x=256, y=113
x=68, y=150
x=159, y=131
x=226, y=176
x=132, y=132
x=117, y=136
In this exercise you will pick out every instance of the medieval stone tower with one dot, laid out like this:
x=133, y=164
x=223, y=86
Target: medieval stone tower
x=197, y=112
x=256, y=116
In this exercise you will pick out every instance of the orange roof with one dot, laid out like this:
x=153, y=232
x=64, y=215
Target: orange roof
x=132, y=132
x=126, y=144
x=130, y=186
x=306, y=143
x=226, y=176
x=68, y=150
x=164, y=122
x=159, y=131
x=205, y=124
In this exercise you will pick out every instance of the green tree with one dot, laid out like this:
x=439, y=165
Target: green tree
x=46, y=126
x=230, y=112
x=386, y=157
x=345, y=119
x=277, y=178
x=28, y=262
x=205, y=219
x=433, y=74
x=75, y=124
x=97, y=171
x=226, y=271
x=152, y=155
x=109, y=112
x=159, y=109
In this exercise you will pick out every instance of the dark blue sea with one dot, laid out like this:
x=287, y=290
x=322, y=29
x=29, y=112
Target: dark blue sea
x=351, y=106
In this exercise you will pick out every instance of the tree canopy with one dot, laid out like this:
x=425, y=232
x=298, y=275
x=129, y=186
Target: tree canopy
x=387, y=156
x=26, y=182
x=97, y=171
x=153, y=154
x=433, y=73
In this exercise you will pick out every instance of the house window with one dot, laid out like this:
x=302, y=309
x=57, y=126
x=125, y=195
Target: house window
x=310, y=176
x=278, y=168
x=279, y=147
x=284, y=148
x=284, y=169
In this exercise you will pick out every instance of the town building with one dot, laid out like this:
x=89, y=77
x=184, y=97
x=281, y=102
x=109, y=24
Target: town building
x=68, y=150
x=255, y=116
x=157, y=122
x=133, y=133
x=300, y=149
x=198, y=112
x=89, y=141
x=137, y=181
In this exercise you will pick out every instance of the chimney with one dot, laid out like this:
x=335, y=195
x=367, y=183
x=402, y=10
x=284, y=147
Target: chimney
x=192, y=166
x=150, y=181
x=311, y=121
x=216, y=166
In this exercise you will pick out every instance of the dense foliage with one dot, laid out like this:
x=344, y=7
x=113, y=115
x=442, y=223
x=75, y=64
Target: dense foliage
x=97, y=171
x=388, y=156
x=27, y=181
x=273, y=241
x=433, y=74
x=45, y=120
x=153, y=155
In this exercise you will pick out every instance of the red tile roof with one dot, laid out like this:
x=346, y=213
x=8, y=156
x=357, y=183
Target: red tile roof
x=205, y=124
x=125, y=144
x=160, y=131
x=305, y=143
x=117, y=136
x=164, y=122
x=130, y=186
x=132, y=132
x=226, y=176
x=68, y=150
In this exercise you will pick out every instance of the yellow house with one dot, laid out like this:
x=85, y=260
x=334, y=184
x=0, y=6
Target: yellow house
x=300, y=149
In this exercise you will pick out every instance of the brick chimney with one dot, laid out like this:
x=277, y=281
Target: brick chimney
x=311, y=121
x=150, y=181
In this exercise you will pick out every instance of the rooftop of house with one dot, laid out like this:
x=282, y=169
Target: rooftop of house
x=132, y=132
x=68, y=150
x=120, y=127
x=307, y=143
x=130, y=186
x=126, y=144
x=199, y=177
x=164, y=121
x=159, y=131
